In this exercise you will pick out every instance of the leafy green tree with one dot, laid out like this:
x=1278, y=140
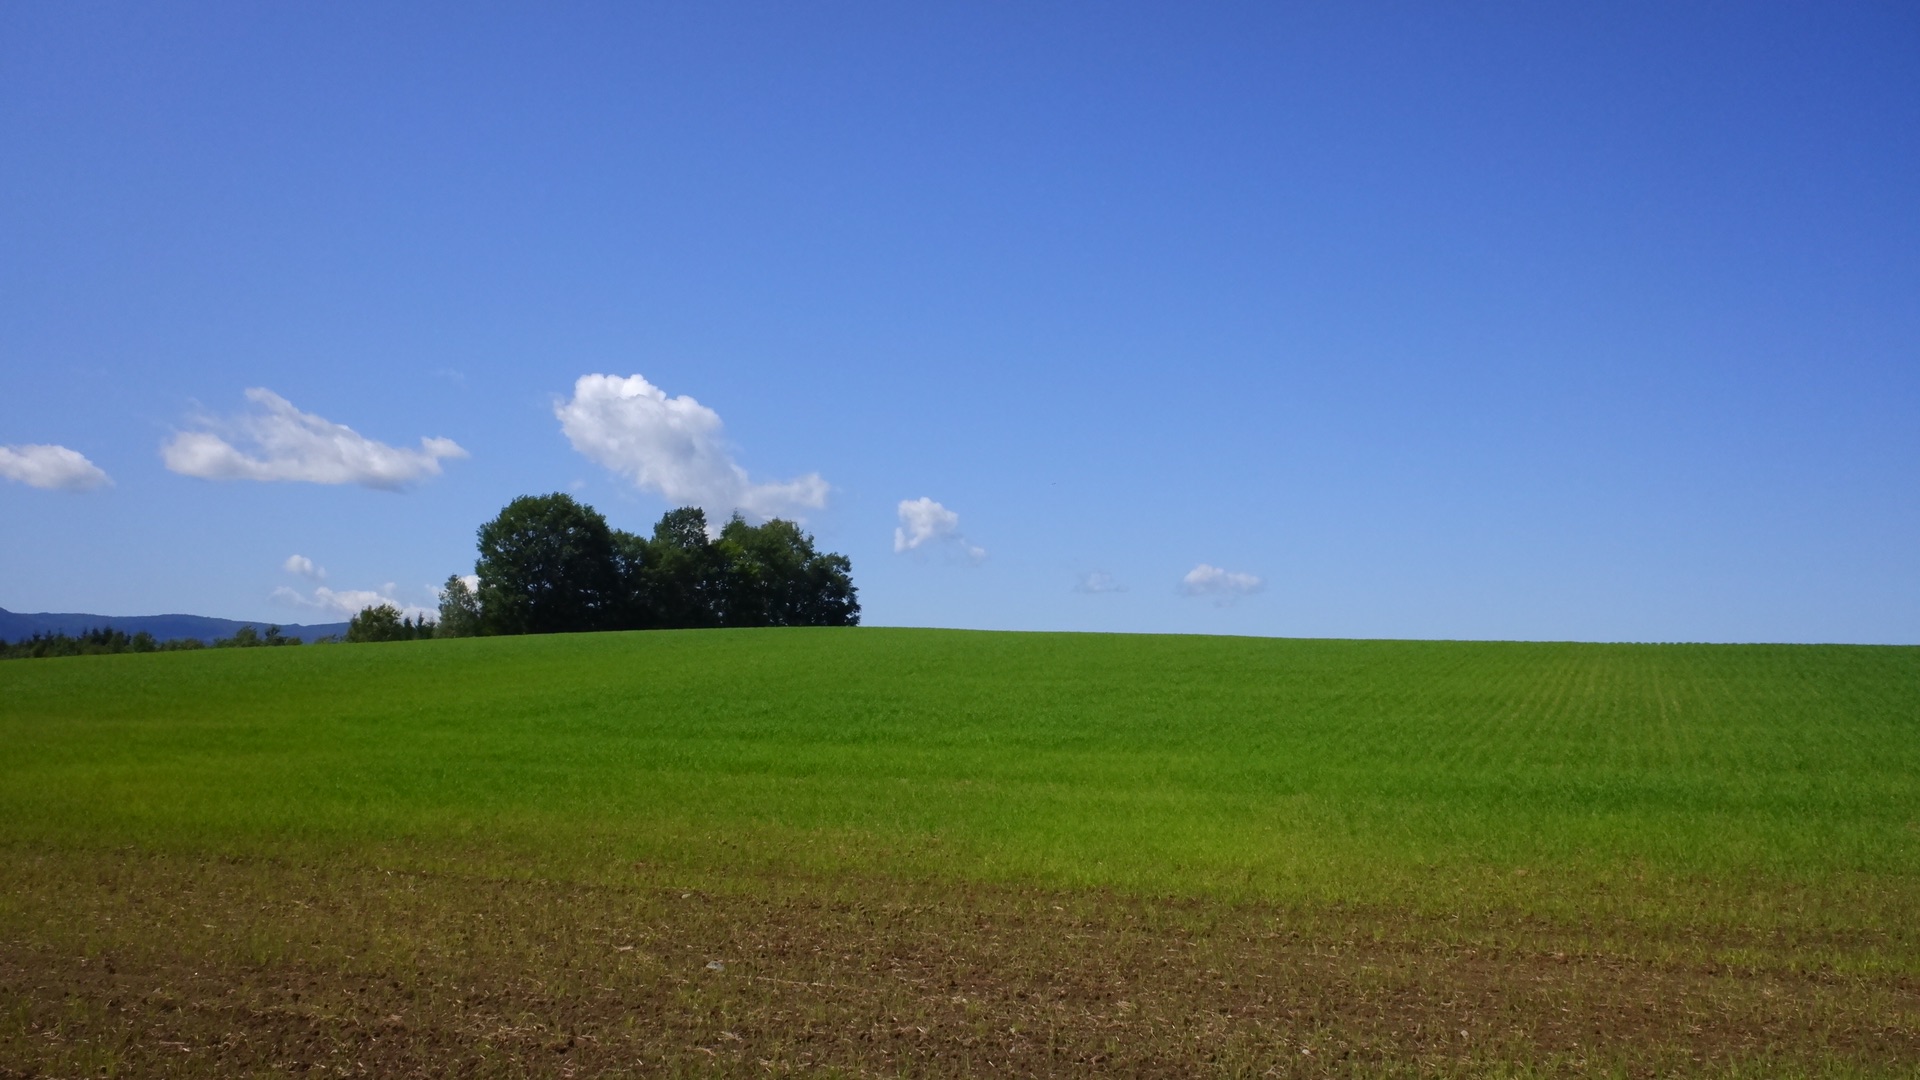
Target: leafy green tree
x=685, y=529
x=681, y=583
x=244, y=638
x=459, y=609
x=381, y=622
x=774, y=577
x=248, y=638
x=547, y=566
x=634, y=607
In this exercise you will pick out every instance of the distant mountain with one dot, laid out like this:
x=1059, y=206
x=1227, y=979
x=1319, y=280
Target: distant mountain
x=14, y=626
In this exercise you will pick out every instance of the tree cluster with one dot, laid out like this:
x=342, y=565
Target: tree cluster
x=248, y=638
x=107, y=641
x=382, y=622
x=549, y=564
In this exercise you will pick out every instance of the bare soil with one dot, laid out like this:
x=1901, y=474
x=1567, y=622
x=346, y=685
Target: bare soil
x=139, y=964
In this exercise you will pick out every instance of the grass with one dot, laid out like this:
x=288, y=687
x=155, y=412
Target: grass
x=1752, y=809
x=1158, y=764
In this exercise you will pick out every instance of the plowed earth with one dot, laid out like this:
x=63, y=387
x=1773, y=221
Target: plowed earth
x=139, y=964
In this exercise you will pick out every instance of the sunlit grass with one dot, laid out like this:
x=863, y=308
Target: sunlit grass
x=1575, y=780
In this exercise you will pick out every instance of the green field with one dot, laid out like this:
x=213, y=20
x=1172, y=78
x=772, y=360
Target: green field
x=1164, y=764
x=1753, y=807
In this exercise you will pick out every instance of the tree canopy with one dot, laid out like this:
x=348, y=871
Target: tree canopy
x=771, y=576
x=382, y=622
x=459, y=609
x=550, y=564
x=546, y=565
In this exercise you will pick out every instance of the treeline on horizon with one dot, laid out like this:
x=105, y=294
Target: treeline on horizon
x=550, y=564
x=106, y=641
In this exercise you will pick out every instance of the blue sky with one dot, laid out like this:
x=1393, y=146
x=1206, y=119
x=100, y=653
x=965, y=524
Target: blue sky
x=1506, y=321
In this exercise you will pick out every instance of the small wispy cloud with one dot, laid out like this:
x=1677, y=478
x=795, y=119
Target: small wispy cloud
x=676, y=448
x=301, y=566
x=1225, y=586
x=54, y=468
x=924, y=522
x=1098, y=581
x=346, y=603
x=275, y=441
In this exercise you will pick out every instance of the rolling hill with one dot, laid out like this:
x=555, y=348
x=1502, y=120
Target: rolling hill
x=872, y=851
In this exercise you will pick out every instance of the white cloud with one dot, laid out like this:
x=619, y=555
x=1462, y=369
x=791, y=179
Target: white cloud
x=1099, y=581
x=301, y=566
x=1225, y=586
x=923, y=522
x=346, y=603
x=51, y=467
x=282, y=443
x=675, y=448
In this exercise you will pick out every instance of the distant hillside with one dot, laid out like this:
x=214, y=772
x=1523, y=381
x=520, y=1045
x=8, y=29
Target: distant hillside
x=14, y=626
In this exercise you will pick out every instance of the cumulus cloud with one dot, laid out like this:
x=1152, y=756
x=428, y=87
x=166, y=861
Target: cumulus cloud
x=346, y=603
x=1098, y=581
x=924, y=522
x=675, y=448
x=55, y=468
x=1225, y=586
x=275, y=441
x=301, y=566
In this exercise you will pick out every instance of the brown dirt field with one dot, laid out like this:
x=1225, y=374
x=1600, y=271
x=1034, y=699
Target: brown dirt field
x=147, y=965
